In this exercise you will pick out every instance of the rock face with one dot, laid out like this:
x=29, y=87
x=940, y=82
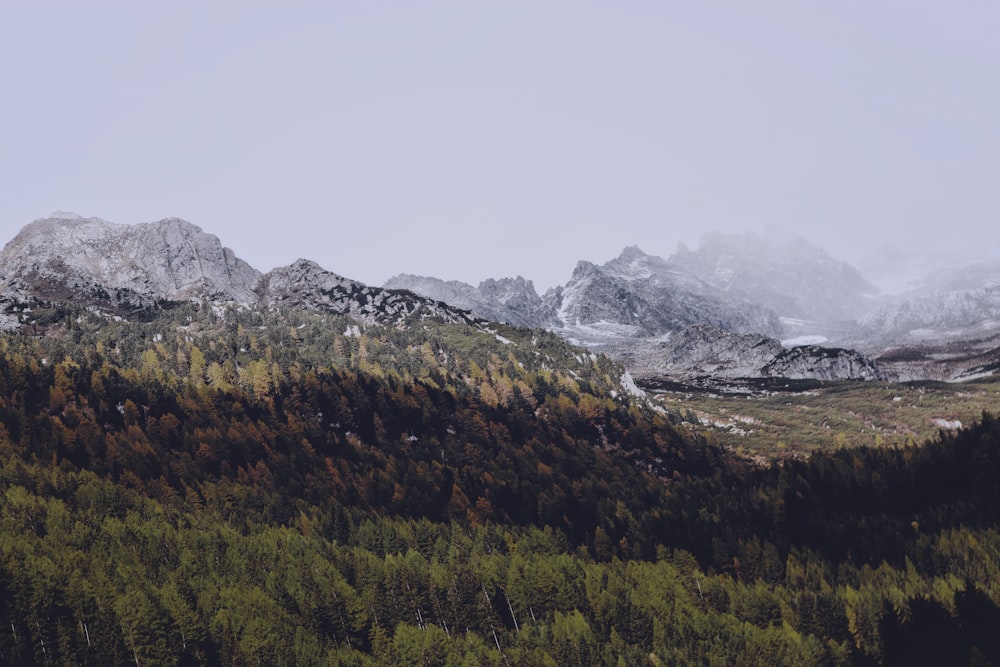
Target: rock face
x=707, y=350
x=812, y=362
x=69, y=257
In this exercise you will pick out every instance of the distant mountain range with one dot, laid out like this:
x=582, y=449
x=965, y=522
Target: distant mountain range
x=719, y=310
x=641, y=309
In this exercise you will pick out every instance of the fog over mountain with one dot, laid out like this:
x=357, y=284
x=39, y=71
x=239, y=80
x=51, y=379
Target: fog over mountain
x=740, y=283
x=653, y=312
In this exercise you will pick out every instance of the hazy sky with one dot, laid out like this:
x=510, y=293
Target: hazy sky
x=476, y=139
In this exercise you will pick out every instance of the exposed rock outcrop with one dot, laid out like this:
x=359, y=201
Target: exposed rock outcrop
x=707, y=351
x=812, y=362
x=69, y=257
x=305, y=284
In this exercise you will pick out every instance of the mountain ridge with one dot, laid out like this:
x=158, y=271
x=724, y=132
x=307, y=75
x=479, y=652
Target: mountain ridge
x=127, y=267
x=630, y=306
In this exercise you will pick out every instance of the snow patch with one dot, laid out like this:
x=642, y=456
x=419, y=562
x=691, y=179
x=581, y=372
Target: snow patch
x=592, y=334
x=630, y=387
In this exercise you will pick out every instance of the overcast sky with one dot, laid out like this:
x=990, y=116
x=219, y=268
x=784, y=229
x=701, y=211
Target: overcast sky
x=469, y=140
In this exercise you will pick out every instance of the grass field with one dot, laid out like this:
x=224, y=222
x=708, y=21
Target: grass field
x=804, y=417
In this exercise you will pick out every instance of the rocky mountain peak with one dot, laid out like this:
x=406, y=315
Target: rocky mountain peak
x=584, y=269
x=632, y=253
x=124, y=265
x=513, y=292
x=634, y=264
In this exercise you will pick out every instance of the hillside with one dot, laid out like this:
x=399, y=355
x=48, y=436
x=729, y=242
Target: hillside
x=334, y=474
x=189, y=489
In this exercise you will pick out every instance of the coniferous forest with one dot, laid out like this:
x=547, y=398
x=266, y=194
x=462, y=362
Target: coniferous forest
x=206, y=485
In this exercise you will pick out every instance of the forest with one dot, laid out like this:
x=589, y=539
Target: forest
x=205, y=485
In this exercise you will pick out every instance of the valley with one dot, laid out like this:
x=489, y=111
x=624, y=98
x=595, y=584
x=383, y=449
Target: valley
x=793, y=419
x=201, y=463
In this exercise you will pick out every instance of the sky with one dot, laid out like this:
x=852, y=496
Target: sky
x=469, y=140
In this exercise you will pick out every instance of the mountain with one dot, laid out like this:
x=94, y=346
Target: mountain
x=719, y=310
x=656, y=315
x=636, y=295
x=133, y=267
x=944, y=303
x=789, y=276
x=936, y=315
x=69, y=257
x=653, y=314
x=511, y=300
x=305, y=284
x=741, y=284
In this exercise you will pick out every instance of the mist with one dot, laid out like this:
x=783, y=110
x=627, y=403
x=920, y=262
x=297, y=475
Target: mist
x=469, y=142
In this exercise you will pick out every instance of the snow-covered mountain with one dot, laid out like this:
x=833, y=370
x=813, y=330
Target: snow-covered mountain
x=741, y=284
x=946, y=303
x=634, y=295
x=639, y=296
x=675, y=315
x=128, y=267
x=790, y=276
